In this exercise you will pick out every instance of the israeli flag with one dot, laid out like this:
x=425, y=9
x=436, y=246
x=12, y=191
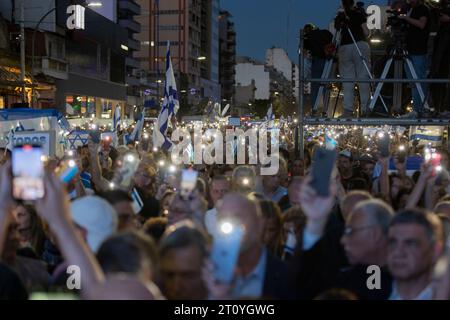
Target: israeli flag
x=169, y=108
x=137, y=132
x=270, y=116
x=116, y=125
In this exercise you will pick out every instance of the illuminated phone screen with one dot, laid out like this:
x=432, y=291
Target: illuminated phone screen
x=28, y=172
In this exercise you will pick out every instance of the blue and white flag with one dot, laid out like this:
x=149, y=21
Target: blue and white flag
x=169, y=107
x=116, y=125
x=330, y=143
x=270, y=116
x=137, y=132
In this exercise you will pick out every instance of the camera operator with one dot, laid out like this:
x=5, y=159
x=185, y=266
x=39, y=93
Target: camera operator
x=418, y=18
x=318, y=43
x=440, y=66
x=351, y=65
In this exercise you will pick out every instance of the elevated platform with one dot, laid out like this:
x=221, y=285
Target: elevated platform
x=376, y=122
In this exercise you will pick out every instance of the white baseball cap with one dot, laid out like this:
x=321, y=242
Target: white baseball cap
x=97, y=216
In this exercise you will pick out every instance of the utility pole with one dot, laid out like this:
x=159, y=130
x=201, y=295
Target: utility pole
x=22, y=53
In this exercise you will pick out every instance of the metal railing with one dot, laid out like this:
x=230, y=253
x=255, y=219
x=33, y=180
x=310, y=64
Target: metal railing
x=302, y=121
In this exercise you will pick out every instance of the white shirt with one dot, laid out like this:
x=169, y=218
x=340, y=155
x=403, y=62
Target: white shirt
x=425, y=294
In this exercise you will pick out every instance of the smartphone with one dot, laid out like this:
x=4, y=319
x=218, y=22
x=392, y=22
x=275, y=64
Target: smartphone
x=95, y=136
x=188, y=182
x=324, y=161
x=225, y=250
x=67, y=170
x=383, y=145
x=433, y=158
x=127, y=167
x=28, y=172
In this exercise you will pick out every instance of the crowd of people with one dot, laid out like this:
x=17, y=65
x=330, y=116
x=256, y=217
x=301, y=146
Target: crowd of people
x=411, y=24
x=296, y=244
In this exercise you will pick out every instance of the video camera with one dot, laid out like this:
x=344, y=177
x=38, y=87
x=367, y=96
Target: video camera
x=394, y=21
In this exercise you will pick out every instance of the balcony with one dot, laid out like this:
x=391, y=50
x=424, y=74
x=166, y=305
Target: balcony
x=130, y=25
x=55, y=68
x=132, y=81
x=134, y=44
x=130, y=6
x=131, y=62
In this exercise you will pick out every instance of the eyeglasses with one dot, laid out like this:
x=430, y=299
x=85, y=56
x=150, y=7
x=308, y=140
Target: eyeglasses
x=348, y=231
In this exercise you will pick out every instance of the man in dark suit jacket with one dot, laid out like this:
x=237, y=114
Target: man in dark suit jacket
x=339, y=258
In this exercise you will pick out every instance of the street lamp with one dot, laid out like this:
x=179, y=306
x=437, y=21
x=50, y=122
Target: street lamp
x=95, y=4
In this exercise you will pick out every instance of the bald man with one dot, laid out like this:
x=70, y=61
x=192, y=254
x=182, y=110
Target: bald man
x=259, y=274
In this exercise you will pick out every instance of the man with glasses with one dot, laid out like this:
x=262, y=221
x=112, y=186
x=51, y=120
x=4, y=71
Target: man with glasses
x=365, y=244
x=332, y=257
x=415, y=243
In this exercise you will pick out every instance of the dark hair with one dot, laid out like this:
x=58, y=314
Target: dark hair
x=430, y=222
x=182, y=236
x=125, y=252
x=36, y=229
x=115, y=196
x=348, y=3
x=155, y=227
x=402, y=192
x=270, y=210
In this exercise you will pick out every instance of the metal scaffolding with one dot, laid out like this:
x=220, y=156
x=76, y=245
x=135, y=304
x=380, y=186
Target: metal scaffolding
x=303, y=120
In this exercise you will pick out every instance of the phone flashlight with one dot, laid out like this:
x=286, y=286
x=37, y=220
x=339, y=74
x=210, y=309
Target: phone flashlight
x=130, y=158
x=226, y=227
x=161, y=163
x=172, y=169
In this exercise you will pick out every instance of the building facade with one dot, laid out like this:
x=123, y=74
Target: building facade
x=279, y=59
x=191, y=26
x=259, y=81
x=80, y=72
x=227, y=56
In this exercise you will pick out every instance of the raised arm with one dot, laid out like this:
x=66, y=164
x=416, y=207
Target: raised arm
x=54, y=209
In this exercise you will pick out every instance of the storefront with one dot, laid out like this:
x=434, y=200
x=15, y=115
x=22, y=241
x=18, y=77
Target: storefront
x=81, y=106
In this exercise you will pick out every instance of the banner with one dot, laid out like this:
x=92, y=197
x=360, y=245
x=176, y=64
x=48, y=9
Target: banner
x=45, y=139
x=427, y=135
x=30, y=121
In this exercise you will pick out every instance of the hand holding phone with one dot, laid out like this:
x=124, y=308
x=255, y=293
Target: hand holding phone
x=28, y=173
x=67, y=170
x=225, y=250
x=383, y=145
x=322, y=167
x=128, y=165
x=188, y=183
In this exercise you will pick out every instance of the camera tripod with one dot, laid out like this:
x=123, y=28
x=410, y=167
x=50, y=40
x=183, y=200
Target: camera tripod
x=399, y=54
x=328, y=67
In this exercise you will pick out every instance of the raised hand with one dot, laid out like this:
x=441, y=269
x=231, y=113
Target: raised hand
x=316, y=208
